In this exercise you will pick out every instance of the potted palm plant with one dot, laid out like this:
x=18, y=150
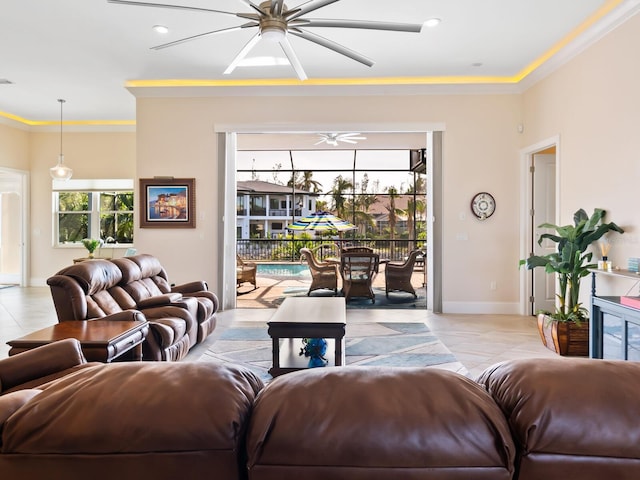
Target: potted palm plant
x=91, y=244
x=566, y=330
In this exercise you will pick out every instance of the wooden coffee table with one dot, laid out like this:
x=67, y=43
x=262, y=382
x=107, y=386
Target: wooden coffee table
x=306, y=317
x=101, y=340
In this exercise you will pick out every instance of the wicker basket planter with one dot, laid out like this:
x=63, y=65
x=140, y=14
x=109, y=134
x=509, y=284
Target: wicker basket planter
x=565, y=338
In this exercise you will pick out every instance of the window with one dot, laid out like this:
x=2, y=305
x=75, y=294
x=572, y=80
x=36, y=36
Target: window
x=90, y=209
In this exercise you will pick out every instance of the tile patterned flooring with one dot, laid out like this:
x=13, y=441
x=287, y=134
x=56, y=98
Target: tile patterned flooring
x=477, y=341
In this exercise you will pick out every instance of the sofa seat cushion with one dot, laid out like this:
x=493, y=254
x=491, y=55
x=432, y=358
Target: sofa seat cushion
x=138, y=408
x=11, y=402
x=571, y=417
x=367, y=422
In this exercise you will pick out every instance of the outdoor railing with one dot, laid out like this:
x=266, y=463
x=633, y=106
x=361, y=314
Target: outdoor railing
x=288, y=250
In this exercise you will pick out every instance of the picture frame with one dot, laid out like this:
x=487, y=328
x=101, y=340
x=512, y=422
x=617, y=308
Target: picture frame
x=167, y=202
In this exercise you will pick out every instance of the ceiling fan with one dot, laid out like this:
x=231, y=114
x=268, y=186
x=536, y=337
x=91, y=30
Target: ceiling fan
x=334, y=138
x=275, y=22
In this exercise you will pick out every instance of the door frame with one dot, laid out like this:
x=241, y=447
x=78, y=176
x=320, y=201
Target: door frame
x=226, y=139
x=526, y=204
x=23, y=177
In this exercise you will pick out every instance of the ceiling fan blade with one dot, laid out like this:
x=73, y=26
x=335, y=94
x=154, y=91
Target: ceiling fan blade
x=336, y=47
x=200, y=35
x=307, y=7
x=347, y=140
x=252, y=5
x=243, y=53
x=164, y=5
x=293, y=58
x=364, y=24
x=321, y=141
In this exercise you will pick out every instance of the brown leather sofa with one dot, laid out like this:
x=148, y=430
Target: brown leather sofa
x=143, y=276
x=530, y=419
x=117, y=289
x=132, y=420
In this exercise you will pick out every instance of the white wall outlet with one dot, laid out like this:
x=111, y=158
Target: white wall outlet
x=493, y=285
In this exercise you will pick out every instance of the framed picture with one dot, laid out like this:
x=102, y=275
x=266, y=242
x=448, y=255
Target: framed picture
x=167, y=202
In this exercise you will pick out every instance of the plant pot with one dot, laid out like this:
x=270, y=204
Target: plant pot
x=565, y=338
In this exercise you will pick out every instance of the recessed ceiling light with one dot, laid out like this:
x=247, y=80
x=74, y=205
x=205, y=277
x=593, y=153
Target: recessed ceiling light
x=160, y=29
x=476, y=64
x=432, y=22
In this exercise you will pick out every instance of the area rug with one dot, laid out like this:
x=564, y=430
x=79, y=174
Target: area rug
x=378, y=344
x=395, y=299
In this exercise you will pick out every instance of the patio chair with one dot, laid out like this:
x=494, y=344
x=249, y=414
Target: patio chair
x=358, y=270
x=327, y=253
x=323, y=275
x=397, y=277
x=245, y=272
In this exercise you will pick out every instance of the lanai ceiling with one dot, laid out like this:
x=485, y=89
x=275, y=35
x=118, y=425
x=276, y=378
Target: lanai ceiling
x=95, y=54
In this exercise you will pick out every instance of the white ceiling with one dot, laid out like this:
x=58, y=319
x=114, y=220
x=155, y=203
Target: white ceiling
x=86, y=50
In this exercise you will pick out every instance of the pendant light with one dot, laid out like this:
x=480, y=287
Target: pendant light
x=61, y=171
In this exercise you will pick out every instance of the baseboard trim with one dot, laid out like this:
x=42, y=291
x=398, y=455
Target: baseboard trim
x=497, y=308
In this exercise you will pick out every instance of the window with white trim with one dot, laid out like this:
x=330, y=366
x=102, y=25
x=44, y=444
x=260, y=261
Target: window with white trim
x=101, y=209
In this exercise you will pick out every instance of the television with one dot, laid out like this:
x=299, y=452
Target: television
x=418, y=160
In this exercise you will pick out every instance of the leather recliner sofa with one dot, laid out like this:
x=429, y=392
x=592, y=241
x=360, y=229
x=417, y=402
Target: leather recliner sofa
x=528, y=419
x=143, y=276
x=116, y=290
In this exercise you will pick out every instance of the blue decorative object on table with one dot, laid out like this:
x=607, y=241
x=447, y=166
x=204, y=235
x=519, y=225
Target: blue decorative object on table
x=315, y=349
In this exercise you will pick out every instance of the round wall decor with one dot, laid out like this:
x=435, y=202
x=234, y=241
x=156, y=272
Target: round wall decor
x=483, y=205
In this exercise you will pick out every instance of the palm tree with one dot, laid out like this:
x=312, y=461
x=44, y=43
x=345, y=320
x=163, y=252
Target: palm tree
x=306, y=182
x=309, y=184
x=393, y=215
x=361, y=204
x=417, y=206
x=340, y=186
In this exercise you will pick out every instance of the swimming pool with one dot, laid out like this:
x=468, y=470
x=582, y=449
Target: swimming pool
x=283, y=270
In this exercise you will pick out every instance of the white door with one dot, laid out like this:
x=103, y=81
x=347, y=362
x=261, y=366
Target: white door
x=543, y=178
x=12, y=232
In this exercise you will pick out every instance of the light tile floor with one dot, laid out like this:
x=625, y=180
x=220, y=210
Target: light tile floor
x=477, y=341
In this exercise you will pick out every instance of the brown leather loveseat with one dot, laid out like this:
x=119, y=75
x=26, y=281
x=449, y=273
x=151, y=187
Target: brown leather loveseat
x=117, y=289
x=527, y=419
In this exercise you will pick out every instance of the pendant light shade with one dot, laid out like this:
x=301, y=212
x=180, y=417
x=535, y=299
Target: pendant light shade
x=60, y=171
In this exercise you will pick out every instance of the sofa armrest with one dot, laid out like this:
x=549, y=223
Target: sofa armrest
x=124, y=316
x=40, y=362
x=11, y=402
x=191, y=287
x=160, y=300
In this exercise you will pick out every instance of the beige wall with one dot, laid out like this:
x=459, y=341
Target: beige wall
x=14, y=148
x=176, y=137
x=593, y=104
x=90, y=155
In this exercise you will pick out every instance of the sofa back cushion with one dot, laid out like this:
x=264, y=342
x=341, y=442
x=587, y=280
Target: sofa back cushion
x=176, y=420
x=143, y=278
x=571, y=417
x=376, y=422
x=82, y=291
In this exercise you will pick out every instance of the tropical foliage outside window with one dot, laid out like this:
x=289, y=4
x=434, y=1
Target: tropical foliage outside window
x=105, y=215
x=374, y=190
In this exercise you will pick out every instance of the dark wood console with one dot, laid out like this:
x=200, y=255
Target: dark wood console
x=614, y=328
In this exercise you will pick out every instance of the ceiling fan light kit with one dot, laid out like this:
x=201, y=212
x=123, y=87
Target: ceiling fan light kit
x=275, y=21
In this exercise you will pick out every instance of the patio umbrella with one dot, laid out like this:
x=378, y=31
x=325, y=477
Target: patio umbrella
x=321, y=222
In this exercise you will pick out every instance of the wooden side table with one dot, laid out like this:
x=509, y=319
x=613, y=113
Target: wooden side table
x=101, y=340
